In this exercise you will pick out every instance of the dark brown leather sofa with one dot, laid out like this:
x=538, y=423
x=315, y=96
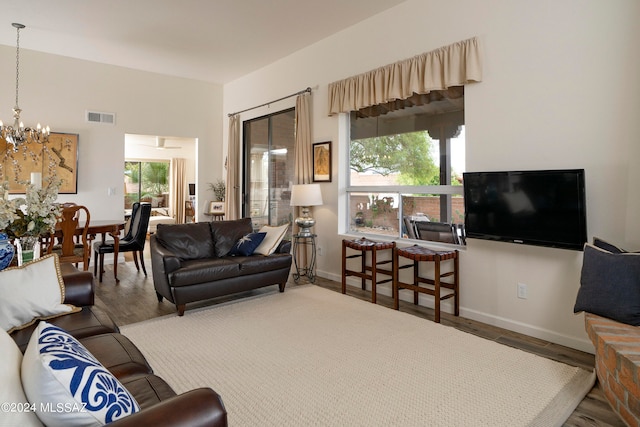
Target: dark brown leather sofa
x=190, y=262
x=159, y=404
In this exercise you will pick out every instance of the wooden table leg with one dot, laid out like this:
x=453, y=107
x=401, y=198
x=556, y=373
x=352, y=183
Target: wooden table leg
x=436, y=290
x=344, y=267
x=363, y=270
x=396, y=289
x=116, y=240
x=374, y=278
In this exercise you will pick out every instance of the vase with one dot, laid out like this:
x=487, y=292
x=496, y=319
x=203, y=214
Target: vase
x=7, y=251
x=28, y=250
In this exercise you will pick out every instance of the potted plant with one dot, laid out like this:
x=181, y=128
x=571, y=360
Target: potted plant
x=219, y=189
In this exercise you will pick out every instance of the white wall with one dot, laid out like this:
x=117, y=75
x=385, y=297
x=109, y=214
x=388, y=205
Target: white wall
x=559, y=91
x=57, y=91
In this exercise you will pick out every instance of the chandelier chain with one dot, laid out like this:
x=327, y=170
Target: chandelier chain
x=17, y=63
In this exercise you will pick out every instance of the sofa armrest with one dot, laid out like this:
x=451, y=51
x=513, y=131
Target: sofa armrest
x=159, y=269
x=170, y=261
x=284, y=247
x=199, y=407
x=78, y=285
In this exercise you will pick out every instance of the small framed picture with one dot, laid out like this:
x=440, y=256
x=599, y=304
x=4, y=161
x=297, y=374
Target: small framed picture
x=322, y=162
x=216, y=207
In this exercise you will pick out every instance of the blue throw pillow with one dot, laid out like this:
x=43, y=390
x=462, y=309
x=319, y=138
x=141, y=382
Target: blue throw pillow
x=247, y=244
x=610, y=285
x=59, y=373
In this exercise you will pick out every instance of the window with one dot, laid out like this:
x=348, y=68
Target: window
x=269, y=161
x=146, y=182
x=405, y=170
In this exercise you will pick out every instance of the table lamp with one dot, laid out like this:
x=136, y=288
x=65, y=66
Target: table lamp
x=305, y=195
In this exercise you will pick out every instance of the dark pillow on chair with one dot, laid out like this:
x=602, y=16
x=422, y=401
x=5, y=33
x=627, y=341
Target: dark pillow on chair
x=247, y=244
x=610, y=285
x=597, y=242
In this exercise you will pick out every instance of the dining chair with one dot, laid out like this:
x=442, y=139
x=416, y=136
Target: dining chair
x=70, y=240
x=437, y=232
x=134, y=240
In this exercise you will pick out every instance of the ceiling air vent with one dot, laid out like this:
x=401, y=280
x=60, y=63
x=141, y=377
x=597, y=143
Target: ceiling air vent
x=98, y=117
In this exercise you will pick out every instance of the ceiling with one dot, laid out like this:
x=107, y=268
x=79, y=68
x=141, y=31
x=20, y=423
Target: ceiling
x=216, y=41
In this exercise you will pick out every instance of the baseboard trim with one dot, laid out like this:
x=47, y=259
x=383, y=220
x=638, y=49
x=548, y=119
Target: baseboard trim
x=490, y=319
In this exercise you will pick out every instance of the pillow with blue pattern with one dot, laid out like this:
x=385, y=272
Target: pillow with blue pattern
x=247, y=244
x=58, y=372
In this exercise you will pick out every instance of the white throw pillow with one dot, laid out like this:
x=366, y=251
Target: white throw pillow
x=272, y=239
x=16, y=410
x=59, y=372
x=30, y=292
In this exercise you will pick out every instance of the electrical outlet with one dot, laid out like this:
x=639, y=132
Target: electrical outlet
x=320, y=251
x=522, y=290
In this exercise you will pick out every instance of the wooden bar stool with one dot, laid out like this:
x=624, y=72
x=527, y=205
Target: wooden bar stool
x=367, y=272
x=420, y=254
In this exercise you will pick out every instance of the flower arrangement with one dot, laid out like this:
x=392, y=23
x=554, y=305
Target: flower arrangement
x=7, y=209
x=33, y=215
x=218, y=188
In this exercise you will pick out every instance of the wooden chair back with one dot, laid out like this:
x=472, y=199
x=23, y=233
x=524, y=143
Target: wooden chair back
x=71, y=234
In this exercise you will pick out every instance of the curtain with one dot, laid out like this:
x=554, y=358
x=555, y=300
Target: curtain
x=233, y=169
x=302, y=169
x=178, y=193
x=440, y=69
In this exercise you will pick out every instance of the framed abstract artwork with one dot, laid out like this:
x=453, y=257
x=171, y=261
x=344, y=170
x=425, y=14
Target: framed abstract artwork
x=322, y=162
x=216, y=208
x=58, y=156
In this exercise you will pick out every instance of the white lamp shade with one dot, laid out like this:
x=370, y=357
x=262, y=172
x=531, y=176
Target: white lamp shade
x=306, y=195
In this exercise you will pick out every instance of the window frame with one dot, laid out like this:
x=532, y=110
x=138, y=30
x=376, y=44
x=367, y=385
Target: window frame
x=397, y=190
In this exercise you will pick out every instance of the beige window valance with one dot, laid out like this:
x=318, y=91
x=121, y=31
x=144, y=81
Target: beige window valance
x=454, y=65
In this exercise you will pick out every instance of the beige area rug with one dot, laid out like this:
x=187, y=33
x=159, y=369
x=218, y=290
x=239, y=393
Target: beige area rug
x=313, y=357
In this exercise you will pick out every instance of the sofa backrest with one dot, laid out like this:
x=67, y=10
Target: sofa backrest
x=227, y=233
x=187, y=241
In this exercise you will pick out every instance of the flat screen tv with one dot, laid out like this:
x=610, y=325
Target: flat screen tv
x=544, y=208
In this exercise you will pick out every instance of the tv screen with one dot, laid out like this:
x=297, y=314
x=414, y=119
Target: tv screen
x=545, y=208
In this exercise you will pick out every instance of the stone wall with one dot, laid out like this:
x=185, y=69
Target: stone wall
x=617, y=360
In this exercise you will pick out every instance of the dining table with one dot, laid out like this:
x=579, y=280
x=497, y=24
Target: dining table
x=103, y=227
x=113, y=227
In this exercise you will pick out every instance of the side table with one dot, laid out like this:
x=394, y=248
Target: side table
x=308, y=269
x=215, y=216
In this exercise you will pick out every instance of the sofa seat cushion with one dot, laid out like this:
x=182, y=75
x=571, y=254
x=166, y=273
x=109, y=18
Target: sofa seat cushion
x=148, y=390
x=203, y=271
x=88, y=321
x=258, y=263
x=118, y=354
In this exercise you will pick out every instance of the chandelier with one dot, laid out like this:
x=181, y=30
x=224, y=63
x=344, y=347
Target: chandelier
x=18, y=134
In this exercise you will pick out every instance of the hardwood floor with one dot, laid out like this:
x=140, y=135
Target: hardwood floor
x=133, y=300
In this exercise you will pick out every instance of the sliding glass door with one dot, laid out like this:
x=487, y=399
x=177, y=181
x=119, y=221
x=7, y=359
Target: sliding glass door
x=146, y=181
x=268, y=158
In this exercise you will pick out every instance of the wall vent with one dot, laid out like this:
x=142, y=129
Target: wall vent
x=98, y=117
